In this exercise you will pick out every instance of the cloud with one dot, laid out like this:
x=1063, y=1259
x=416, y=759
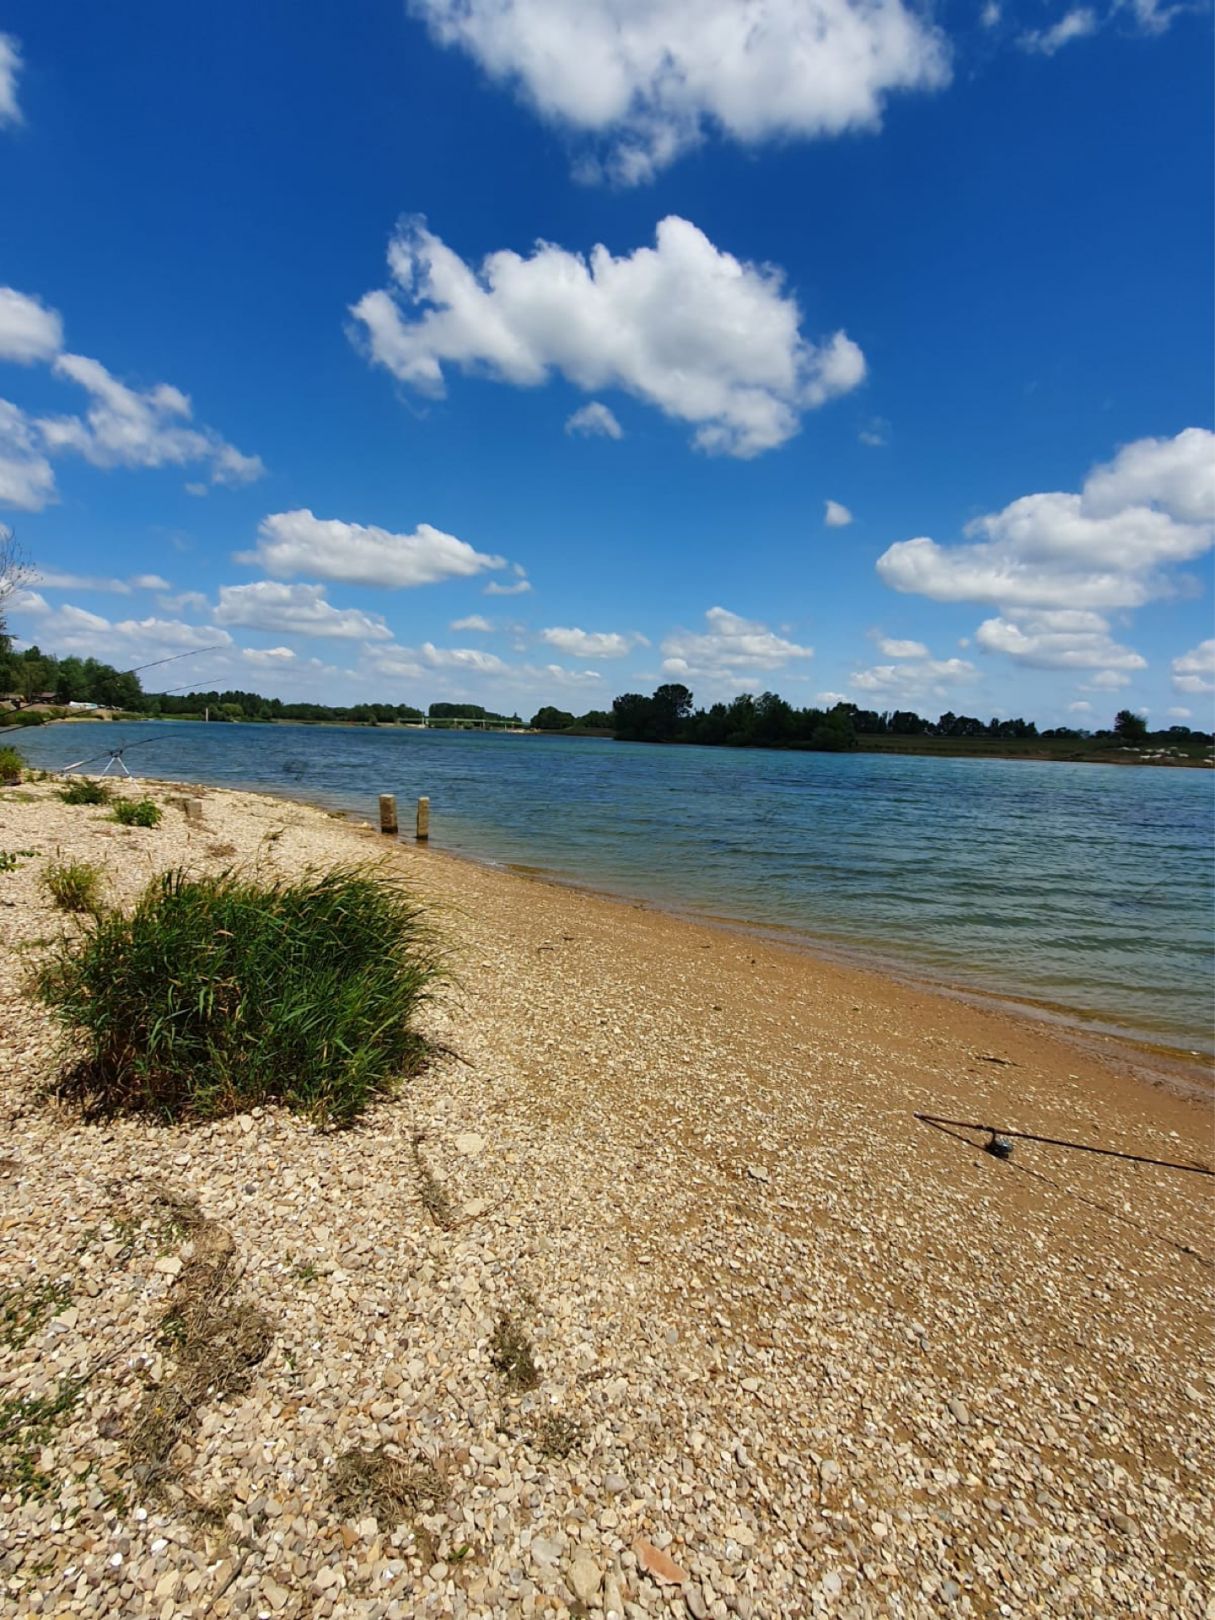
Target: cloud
x=28, y=330
x=901, y=649
x=127, y=427
x=1194, y=671
x=592, y=643
x=649, y=78
x=496, y=588
x=836, y=516
x=1180, y=713
x=830, y=699
x=875, y=432
x=594, y=421
x=51, y=579
x=10, y=69
x=990, y=14
x=27, y=479
x=927, y=677
x=683, y=326
x=267, y=657
x=468, y=658
x=1082, y=706
x=183, y=601
x=1110, y=546
x=1151, y=15
x=1109, y=680
x=124, y=643
x=122, y=426
x=474, y=621
x=730, y=645
x=1077, y=24
x=1059, y=638
x=558, y=675
x=290, y=543
x=295, y=609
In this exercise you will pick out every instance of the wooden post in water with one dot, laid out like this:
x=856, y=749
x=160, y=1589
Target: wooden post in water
x=388, y=814
x=423, y=820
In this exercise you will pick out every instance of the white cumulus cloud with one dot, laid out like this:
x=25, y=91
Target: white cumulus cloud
x=474, y=621
x=10, y=69
x=267, y=657
x=1078, y=23
x=467, y=658
x=729, y=645
x=1110, y=546
x=121, y=426
x=124, y=643
x=1058, y=638
x=594, y=421
x=27, y=479
x=648, y=78
x=836, y=516
x=128, y=427
x=916, y=678
x=295, y=609
x=682, y=325
x=1194, y=671
x=901, y=649
x=592, y=643
x=28, y=330
x=290, y=543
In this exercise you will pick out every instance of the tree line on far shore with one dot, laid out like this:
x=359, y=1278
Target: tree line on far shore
x=32, y=681
x=768, y=721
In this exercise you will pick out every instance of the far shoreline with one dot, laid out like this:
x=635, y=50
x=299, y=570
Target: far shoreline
x=912, y=747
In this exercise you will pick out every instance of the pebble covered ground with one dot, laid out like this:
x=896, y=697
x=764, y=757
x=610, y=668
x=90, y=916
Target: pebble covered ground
x=649, y=1297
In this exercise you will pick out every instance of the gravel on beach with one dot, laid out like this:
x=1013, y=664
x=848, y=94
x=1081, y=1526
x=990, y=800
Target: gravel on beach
x=649, y=1297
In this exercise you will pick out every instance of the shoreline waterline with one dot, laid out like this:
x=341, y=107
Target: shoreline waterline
x=1014, y=883
x=1189, y=1075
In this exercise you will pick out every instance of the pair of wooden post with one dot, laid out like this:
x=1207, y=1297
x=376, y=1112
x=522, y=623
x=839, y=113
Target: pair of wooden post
x=388, y=817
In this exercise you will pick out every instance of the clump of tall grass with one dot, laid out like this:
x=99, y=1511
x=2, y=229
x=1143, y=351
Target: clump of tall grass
x=11, y=766
x=80, y=790
x=219, y=992
x=73, y=885
x=137, y=812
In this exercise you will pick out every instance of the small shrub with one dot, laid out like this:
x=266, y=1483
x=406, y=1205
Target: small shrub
x=74, y=885
x=80, y=790
x=137, y=812
x=510, y=1354
x=218, y=992
x=11, y=766
x=10, y=858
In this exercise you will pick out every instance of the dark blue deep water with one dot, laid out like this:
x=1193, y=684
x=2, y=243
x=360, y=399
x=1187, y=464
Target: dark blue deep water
x=1085, y=888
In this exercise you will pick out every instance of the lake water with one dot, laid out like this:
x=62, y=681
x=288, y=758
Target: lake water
x=1088, y=889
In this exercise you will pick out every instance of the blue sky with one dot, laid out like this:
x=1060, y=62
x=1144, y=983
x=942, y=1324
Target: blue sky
x=537, y=351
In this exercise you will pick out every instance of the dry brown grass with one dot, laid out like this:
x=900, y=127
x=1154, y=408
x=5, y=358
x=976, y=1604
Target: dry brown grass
x=217, y=1340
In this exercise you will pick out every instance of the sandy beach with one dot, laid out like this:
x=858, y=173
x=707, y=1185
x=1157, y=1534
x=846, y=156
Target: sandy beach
x=798, y=1352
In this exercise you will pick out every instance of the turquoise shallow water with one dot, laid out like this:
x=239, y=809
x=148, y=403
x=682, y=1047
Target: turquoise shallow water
x=1087, y=888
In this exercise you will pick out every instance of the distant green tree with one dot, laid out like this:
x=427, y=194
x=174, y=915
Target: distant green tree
x=1131, y=727
x=837, y=732
x=550, y=719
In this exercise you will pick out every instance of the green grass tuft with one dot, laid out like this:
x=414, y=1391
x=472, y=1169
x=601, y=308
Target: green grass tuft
x=137, y=812
x=11, y=765
x=80, y=790
x=74, y=885
x=219, y=992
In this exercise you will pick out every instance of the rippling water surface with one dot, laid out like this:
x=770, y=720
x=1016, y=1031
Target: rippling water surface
x=1086, y=888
